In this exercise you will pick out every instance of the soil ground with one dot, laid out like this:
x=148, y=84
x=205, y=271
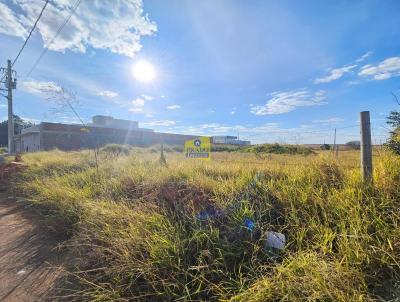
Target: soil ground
x=31, y=261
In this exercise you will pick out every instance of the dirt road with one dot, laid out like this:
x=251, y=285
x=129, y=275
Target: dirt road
x=30, y=262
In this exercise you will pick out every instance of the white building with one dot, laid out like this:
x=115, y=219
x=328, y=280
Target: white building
x=229, y=140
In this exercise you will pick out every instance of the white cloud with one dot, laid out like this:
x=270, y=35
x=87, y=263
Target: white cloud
x=283, y=102
x=108, y=94
x=138, y=102
x=332, y=120
x=172, y=107
x=221, y=130
x=136, y=109
x=364, y=56
x=10, y=23
x=147, y=97
x=386, y=69
x=335, y=74
x=233, y=110
x=118, y=27
x=161, y=123
x=40, y=87
x=208, y=126
x=352, y=83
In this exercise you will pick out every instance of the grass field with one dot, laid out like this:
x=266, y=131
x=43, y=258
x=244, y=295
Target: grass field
x=135, y=229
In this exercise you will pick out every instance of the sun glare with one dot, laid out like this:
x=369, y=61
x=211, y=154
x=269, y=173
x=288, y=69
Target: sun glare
x=144, y=71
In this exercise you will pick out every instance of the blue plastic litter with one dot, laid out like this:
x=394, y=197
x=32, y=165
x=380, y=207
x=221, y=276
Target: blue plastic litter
x=203, y=215
x=249, y=224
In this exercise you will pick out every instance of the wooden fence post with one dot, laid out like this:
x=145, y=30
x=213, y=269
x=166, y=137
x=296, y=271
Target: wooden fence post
x=366, y=148
x=334, y=143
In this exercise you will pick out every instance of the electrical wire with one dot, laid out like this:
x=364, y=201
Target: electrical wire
x=60, y=28
x=318, y=133
x=282, y=132
x=30, y=33
x=26, y=40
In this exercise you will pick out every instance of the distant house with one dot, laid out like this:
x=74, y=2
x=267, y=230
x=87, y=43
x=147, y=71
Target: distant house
x=103, y=130
x=229, y=140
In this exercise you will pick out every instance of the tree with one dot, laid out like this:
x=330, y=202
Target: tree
x=394, y=140
x=19, y=124
x=325, y=147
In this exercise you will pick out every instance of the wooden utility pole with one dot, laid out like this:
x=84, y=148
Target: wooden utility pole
x=366, y=148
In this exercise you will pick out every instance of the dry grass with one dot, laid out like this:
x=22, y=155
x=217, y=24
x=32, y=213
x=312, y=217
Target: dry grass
x=134, y=225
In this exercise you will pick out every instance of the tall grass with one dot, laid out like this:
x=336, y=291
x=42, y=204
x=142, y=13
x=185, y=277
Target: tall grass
x=278, y=149
x=136, y=229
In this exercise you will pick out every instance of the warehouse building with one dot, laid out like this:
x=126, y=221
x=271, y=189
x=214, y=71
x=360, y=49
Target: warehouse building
x=103, y=130
x=229, y=140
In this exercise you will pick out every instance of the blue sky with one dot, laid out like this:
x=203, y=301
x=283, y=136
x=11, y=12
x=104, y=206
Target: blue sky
x=286, y=71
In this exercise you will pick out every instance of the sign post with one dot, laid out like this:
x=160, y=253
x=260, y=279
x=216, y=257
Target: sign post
x=199, y=148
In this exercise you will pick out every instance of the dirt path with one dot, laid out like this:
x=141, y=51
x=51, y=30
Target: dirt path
x=30, y=262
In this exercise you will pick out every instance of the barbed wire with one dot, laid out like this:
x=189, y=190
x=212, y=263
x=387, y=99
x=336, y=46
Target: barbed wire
x=278, y=164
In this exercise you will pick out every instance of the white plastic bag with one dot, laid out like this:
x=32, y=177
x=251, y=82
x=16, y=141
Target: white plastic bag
x=275, y=240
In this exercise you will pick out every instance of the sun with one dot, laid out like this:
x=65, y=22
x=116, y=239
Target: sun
x=144, y=71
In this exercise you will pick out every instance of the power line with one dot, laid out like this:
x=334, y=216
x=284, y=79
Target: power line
x=60, y=28
x=322, y=131
x=30, y=33
x=26, y=40
x=345, y=127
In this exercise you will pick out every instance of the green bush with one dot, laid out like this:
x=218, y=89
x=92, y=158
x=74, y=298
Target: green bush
x=393, y=143
x=115, y=149
x=325, y=147
x=167, y=148
x=354, y=145
x=278, y=149
x=225, y=148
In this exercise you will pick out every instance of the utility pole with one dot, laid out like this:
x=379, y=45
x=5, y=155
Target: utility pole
x=366, y=148
x=9, y=86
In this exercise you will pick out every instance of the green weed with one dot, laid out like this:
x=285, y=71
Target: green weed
x=146, y=232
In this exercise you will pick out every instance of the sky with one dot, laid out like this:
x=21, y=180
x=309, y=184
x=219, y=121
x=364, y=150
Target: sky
x=268, y=71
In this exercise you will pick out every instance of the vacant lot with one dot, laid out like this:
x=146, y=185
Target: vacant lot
x=148, y=232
